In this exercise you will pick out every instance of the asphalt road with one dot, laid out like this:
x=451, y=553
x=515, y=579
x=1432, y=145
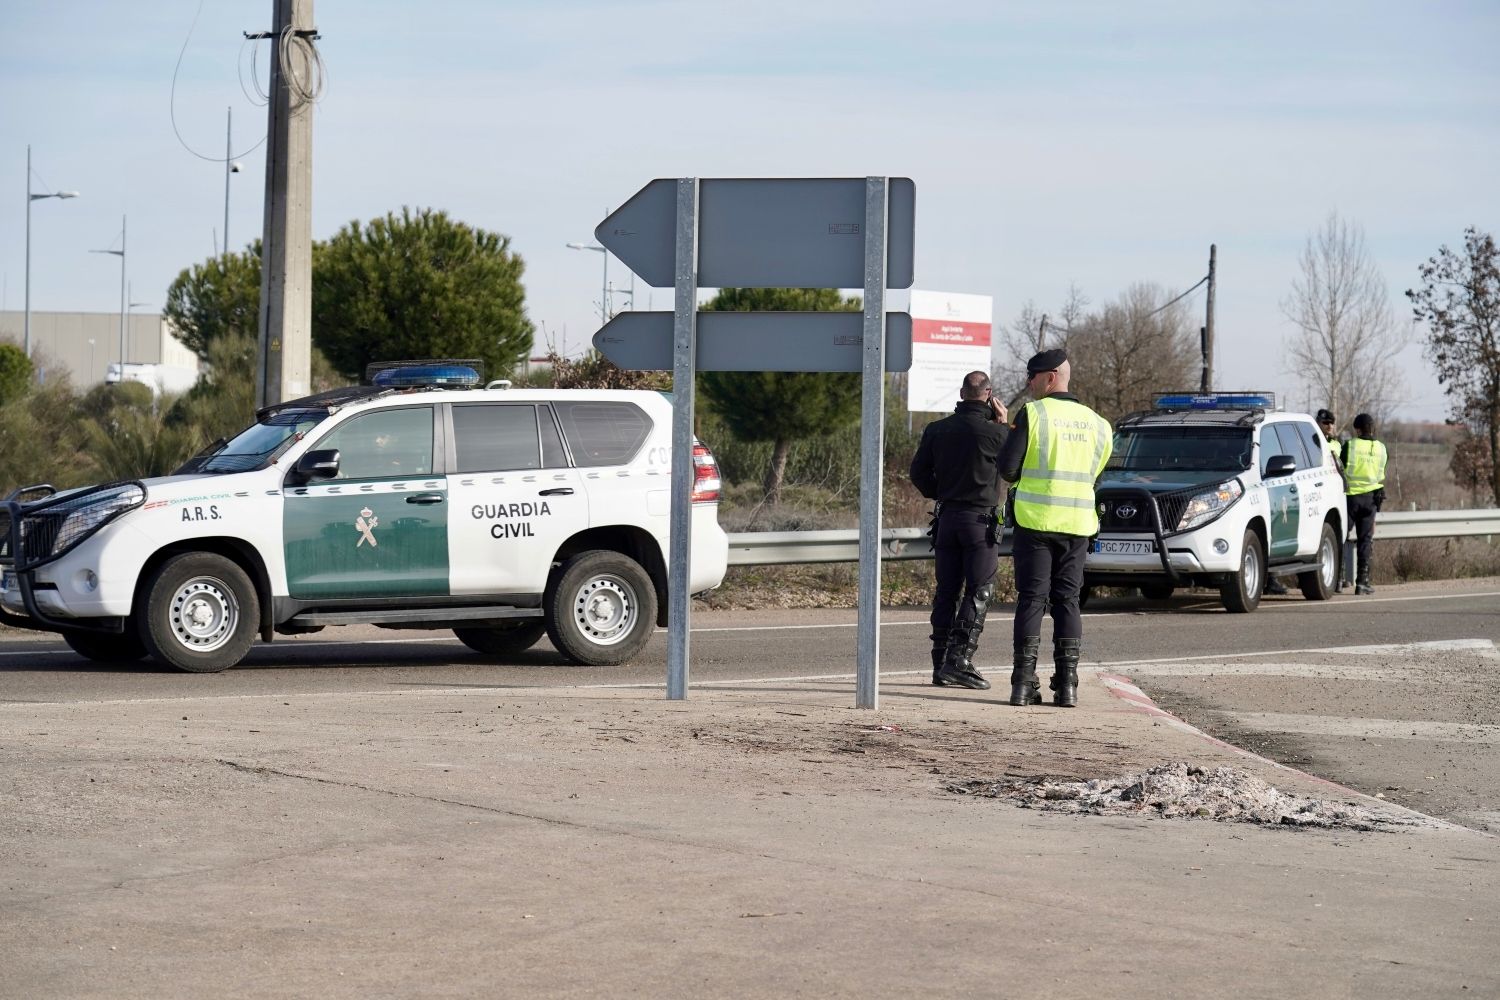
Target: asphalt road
x=1419, y=724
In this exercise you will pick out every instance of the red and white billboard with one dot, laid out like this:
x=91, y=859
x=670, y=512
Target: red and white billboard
x=950, y=337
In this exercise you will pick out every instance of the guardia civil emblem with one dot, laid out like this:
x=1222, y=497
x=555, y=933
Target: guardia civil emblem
x=365, y=524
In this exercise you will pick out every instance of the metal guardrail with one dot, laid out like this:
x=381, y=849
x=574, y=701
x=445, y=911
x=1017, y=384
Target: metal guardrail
x=771, y=548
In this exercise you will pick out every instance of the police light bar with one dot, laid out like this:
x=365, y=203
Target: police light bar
x=424, y=375
x=1214, y=401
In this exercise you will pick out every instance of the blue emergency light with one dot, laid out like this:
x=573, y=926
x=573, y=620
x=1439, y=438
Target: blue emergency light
x=1214, y=401
x=410, y=376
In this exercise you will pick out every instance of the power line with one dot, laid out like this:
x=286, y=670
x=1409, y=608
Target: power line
x=172, y=101
x=1201, y=281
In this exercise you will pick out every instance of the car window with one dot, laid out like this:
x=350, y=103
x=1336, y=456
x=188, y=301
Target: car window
x=1281, y=439
x=1312, y=440
x=603, y=432
x=386, y=444
x=493, y=437
x=554, y=456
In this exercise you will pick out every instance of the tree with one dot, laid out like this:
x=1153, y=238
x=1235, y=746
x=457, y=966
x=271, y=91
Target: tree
x=1034, y=331
x=1134, y=347
x=217, y=298
x=419, y=285
x=781, y=406
x=1347, y=338
x=15, y=373
x=1459, y=302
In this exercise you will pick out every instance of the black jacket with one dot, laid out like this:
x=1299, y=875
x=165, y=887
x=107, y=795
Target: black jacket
x=956, y=459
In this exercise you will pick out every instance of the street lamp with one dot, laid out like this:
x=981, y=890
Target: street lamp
x=604, y=288
x=231, y=166
x=29, y=199
x=91, y=359
x=130, y=327
x=120, y=253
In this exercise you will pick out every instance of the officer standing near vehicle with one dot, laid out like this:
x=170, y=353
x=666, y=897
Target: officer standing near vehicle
x=1055, y=452
x=1328, y=424
x=956, y=465
x=1364, y=470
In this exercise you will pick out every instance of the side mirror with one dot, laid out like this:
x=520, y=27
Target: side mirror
x=316, y=465
x=1281, y=465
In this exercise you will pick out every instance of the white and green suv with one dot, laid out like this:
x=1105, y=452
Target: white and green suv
x=1219, y=490
x=503, y=514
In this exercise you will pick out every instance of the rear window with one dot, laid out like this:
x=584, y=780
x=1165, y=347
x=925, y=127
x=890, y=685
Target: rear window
x=496, y=438
x=603, y=432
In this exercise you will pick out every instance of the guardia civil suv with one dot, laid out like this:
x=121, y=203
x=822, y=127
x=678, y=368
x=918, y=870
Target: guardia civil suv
x=417, y=502
x=1218, y=490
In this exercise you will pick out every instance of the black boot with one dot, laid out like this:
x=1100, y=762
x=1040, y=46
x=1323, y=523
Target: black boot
x=939, y=651
x=1065, y=672
x=1362, y=582
x=963, y=641
x=1025, y=689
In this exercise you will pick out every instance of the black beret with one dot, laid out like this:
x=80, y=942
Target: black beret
x=1325, y=416
x=1046, y=361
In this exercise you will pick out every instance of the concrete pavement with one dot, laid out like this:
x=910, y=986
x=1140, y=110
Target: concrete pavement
x=756, y=840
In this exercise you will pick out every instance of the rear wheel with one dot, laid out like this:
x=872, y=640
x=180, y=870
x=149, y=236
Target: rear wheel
x=107, y=647
x=502, y=640
x=1241, y=591
x=601, y=609
x=1318, y=584
x=201, y=613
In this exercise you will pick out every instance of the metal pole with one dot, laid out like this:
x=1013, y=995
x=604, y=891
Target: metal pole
x=871, y=445
x=228, y=153
x=1208, y=329
x=604, y=288
x=27, y=323
x=684, y=364
x=122, y=296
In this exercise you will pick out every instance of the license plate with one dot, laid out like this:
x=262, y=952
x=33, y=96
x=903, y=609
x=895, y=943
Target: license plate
x=1126, y=548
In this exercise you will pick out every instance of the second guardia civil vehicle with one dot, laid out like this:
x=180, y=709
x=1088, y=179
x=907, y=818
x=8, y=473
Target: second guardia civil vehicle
x=1219, y=490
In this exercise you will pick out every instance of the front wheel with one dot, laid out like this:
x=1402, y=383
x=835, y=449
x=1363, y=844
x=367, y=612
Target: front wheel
x=107, y=647
x=1241, y=591
x=1318, y=584
x=201, y=613
x=601, y=609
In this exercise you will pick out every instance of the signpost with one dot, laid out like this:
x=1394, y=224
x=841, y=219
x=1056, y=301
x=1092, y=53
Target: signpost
x=950, y=338
x=768, y=233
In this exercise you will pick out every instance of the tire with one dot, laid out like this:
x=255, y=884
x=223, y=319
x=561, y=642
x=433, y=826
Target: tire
x=107, y=647
x=601, y=609
x=1157, y=591
x=1241, y=592
x=201, y=613
x=503, y=640
x=1318, y=584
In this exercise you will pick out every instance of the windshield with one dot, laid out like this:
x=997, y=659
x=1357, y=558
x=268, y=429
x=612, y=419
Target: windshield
x=1181, y=449
x=259, y=443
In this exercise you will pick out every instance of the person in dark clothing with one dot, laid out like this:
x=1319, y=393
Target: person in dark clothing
x=1055, y=452
x=955, y=465
x=1364, y=472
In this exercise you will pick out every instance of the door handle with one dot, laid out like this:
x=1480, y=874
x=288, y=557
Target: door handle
x=557, y=491
x=425, y=498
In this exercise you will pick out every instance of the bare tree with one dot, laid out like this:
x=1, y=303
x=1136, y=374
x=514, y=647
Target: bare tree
x=1134, y=347
x=1459, y=302
x=1347, y=339
x=1033, y=331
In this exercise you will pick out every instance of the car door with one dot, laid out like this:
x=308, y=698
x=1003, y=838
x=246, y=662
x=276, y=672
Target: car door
x=1282, y=491
x=627, y=482
x=379, y=529
x=516, y=497
x=1318, y=484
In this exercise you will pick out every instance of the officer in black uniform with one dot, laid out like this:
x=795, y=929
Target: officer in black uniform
x=955, y=465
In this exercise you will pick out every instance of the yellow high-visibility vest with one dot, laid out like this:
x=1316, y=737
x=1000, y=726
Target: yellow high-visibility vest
x=1365, y=469
x=1067, y=445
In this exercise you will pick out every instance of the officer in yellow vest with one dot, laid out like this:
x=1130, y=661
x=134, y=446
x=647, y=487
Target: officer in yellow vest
x=1364, y=470
x=1055, y=452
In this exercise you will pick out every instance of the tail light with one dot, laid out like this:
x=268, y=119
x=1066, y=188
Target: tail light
x=706, y=481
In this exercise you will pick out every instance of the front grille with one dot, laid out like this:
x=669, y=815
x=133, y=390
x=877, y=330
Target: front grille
x=1130, y=510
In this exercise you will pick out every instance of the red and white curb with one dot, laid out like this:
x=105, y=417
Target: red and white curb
x=1136, y=700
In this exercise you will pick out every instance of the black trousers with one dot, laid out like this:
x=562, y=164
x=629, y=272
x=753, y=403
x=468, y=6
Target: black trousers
x=1049, y=571
x=1362, y=515
x=967, y=556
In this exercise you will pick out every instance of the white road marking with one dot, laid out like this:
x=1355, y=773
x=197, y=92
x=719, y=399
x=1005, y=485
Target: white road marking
x=1384, y=729
x=1330, y=671
x=1484, y=647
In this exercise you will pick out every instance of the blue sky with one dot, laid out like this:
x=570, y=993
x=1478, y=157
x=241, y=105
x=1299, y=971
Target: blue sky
x=1095, y=144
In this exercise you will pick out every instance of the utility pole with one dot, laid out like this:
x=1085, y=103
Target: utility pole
x=284, y=352
x=1208, y=327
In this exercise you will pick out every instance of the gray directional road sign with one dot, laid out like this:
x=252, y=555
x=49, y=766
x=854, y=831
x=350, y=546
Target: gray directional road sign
x=765, y=233
x=755, y=341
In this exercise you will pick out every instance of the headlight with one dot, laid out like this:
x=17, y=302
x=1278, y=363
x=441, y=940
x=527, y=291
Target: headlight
x=1209, y=504
x=90, y=513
